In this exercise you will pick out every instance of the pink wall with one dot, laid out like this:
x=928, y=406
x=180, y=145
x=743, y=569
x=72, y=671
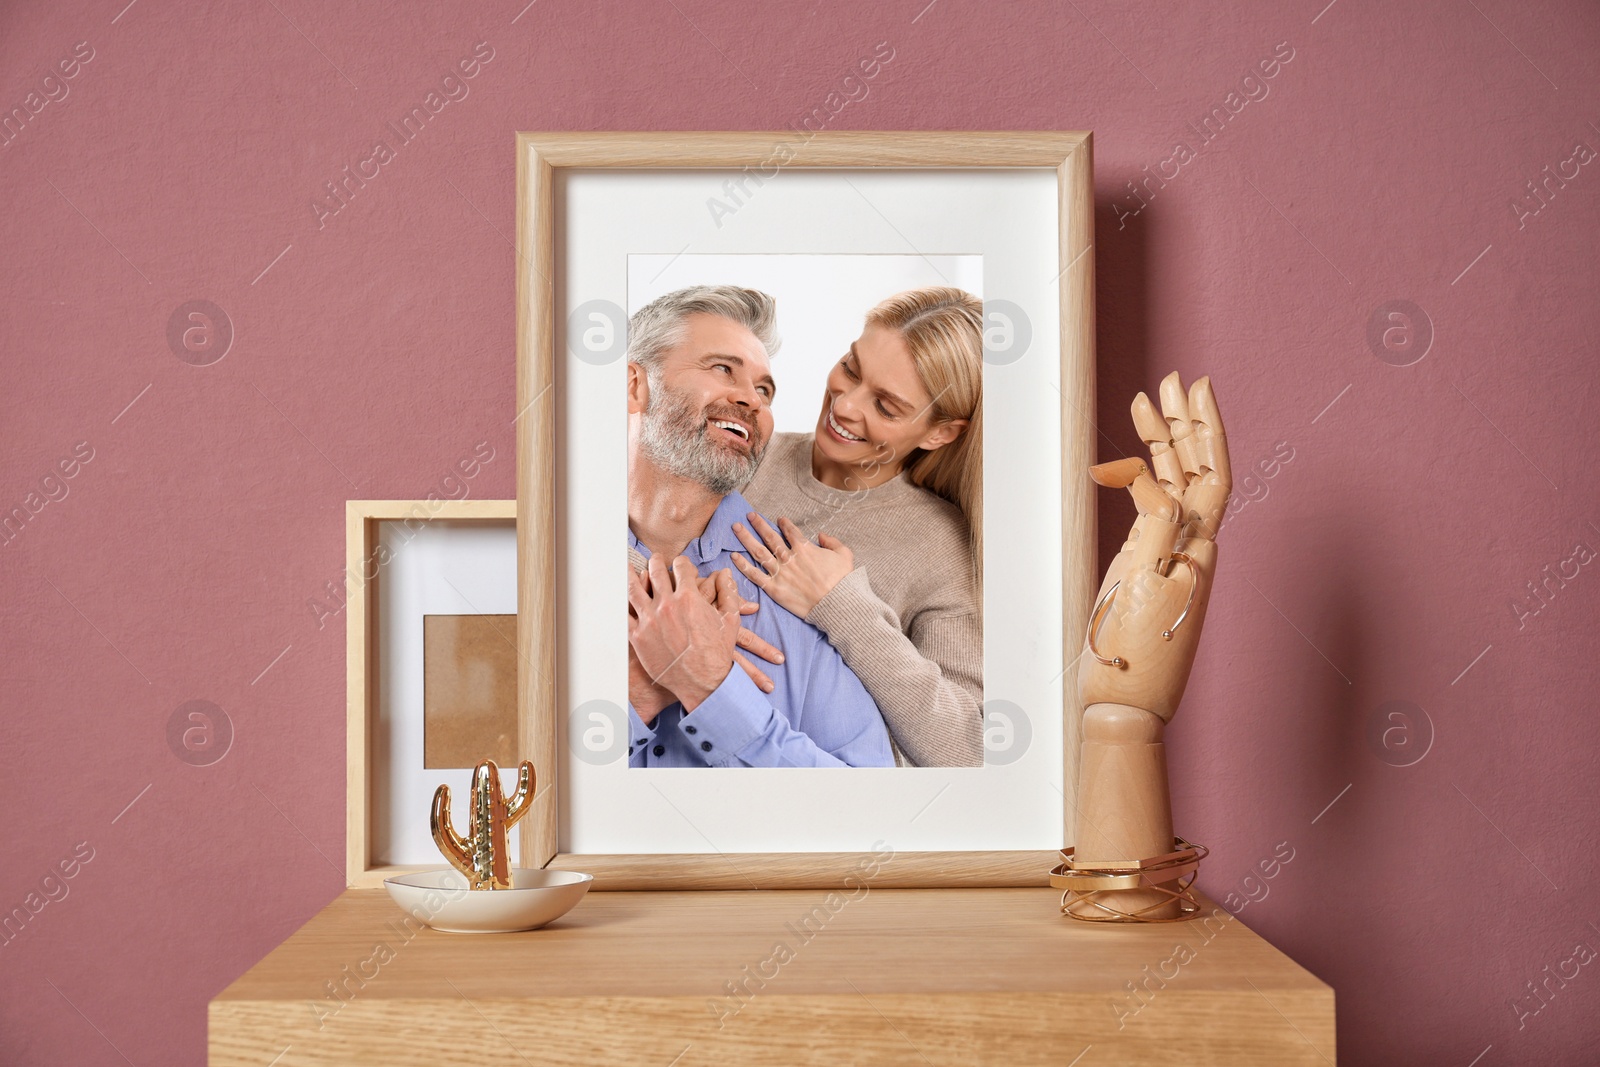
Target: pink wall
x=1385, y=561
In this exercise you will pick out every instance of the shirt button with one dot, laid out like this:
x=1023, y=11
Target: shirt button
x=660, y=750
x=705, y=746
x=630, y=750
x=690, y=730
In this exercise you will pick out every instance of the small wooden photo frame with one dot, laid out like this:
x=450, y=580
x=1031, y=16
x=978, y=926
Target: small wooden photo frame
x=431, y=668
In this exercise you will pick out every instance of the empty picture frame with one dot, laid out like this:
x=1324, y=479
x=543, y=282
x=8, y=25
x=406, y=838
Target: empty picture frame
x=410, y=566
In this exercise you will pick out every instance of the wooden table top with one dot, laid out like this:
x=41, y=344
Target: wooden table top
x=780, y=976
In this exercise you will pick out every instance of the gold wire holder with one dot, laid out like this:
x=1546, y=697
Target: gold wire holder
x=1090, y=883
x=1102, y=608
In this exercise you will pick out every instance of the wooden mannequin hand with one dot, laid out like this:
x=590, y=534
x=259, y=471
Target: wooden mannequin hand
x=793, y=571
x=1142, y=639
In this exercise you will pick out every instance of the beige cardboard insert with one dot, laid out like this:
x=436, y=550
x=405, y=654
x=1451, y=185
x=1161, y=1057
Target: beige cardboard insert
x=469, y=666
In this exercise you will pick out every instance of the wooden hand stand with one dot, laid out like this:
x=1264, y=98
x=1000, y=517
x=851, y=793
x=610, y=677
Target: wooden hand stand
x=1141, y=644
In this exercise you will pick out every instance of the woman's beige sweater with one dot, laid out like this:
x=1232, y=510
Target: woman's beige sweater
x=907, y=620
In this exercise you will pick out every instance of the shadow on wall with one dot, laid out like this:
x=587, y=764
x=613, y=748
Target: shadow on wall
x=1335, y=602
x=1123, y=361
x=1329, y=773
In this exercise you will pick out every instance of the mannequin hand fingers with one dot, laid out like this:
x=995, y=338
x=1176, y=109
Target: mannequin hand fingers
x=1210, y=439
x=1203, y=507
x=1157, y=435
x=1119, y=473
x=1153, y=539
x=1153, y=500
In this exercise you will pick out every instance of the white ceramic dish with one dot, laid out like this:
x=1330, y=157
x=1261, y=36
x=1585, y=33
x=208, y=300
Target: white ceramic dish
x=441, y=899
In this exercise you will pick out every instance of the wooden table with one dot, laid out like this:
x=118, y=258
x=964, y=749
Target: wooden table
x=678, y=979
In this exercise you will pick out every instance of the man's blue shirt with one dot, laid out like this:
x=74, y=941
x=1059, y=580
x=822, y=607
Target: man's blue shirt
x=818, y=714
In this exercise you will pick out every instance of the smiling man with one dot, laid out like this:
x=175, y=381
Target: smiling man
x=700, y=391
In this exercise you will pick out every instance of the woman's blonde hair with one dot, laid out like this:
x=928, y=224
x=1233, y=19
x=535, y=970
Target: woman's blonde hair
x=943, y=329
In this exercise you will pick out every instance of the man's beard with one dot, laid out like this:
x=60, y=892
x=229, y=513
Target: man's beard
x=673, y=437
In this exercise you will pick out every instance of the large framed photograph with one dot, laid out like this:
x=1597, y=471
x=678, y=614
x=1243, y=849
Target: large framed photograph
x=804, y=543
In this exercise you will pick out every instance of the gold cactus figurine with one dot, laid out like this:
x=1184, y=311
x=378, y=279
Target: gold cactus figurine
x=482, y=854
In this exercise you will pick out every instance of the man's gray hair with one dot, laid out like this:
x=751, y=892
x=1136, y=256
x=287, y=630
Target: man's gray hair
x=659, y=325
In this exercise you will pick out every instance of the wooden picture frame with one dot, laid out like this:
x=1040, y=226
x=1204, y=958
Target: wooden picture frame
x=540, y=156
x=362, y=519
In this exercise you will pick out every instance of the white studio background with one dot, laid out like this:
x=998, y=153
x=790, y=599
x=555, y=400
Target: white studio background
x=822, y=302
x=443, y=568
x=1009, y=218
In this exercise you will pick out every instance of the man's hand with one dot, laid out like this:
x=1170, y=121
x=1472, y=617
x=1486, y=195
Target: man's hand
x=646, y=696
x=721, y=584
x=714, y=586
x=684, y=643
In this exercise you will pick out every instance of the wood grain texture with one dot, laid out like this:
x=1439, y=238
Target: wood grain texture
x=362, y=580
x=811, y=870
x=360, y=679
x=832, y=148
x=954, y=976
x=538, y=156
x=536, y=508
x=782, y=870
x=1078, y=526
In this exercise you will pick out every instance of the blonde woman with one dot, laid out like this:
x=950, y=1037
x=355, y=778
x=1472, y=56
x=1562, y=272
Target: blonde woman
x=880, y=521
